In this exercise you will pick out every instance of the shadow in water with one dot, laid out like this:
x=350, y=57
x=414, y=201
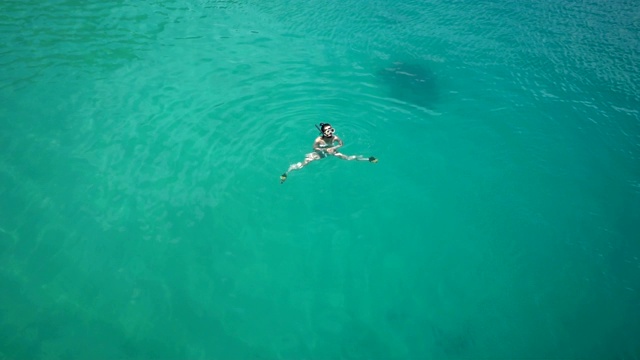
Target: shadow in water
x=453, y=344
x=411, y=83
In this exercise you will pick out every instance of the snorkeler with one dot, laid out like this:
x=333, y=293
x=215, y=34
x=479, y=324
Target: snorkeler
x=327, y=144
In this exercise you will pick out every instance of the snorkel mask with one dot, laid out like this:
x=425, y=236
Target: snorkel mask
x=326, y=130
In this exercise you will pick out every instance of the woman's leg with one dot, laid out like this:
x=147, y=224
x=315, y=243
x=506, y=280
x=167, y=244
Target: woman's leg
x=353, y=157
x=307, y=159
x=297, y=166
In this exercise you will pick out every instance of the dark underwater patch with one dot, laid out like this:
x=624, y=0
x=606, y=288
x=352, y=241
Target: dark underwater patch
x=411, y=83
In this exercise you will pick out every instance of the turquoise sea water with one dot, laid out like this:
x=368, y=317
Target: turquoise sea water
x=141, y=214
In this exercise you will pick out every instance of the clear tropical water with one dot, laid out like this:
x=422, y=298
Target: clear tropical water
x=141, y=214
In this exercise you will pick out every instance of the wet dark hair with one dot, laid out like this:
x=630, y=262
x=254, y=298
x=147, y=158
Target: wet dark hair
x=322, y=126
